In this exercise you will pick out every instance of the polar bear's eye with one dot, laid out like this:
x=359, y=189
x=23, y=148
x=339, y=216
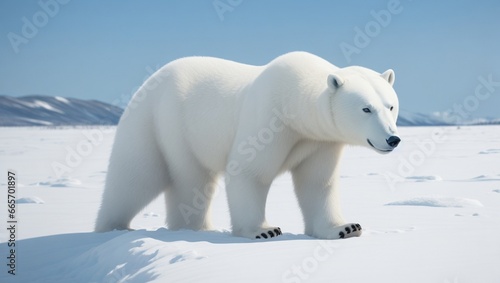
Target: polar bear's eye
x=392, y=107
x=367, y=110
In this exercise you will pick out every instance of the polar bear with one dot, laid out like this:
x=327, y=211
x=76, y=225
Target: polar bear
x=199, y=118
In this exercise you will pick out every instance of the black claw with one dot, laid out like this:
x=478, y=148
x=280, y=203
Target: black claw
x=257, y=237
x=348, y=230
x=271, y=234
x=354, y=229
x=342, y=235
x=359, y=227
x=277, y=231
x=264, y=235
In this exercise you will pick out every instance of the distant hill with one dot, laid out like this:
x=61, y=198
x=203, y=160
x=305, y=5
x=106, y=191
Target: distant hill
x=39, y=110
x=406, y=118
x=417, y=119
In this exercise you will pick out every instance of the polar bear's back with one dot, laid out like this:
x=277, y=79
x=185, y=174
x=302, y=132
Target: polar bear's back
x=197, y=105
x=210, y=76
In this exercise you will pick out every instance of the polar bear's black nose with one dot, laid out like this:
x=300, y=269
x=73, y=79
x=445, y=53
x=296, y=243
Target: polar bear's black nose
x=393, y=141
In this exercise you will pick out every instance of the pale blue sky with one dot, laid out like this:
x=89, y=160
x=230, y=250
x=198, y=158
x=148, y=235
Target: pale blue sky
x=104, y=49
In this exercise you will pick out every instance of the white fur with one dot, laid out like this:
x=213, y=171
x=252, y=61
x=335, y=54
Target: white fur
x=198, y=118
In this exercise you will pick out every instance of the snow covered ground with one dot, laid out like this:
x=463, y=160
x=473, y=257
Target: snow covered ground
x=430, y=213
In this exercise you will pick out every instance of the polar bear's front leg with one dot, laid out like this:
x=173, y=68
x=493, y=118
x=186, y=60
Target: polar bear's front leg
x=315, y=181
x=247, y=202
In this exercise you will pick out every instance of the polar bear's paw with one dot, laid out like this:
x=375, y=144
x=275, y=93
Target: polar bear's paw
x=269, y=232
x=349, y=230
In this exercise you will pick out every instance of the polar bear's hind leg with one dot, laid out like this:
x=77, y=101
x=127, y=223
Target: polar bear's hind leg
x=189, y=198
x=134, y=179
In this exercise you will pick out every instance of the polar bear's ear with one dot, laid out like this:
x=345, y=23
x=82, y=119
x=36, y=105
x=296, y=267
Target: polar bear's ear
x=335, y=81
x=389, y=76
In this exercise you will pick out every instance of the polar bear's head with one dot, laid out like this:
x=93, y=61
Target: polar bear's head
x=365, y=107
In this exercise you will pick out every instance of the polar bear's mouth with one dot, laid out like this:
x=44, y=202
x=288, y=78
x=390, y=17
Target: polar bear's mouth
x=381, y=150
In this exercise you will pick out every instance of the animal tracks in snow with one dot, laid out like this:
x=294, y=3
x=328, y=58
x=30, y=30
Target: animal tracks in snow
x=490, y=151
x=59, y=183
x=33, y=199
x=438, y=201
x=401, y=230
x=424, y=178
x=186, y=255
